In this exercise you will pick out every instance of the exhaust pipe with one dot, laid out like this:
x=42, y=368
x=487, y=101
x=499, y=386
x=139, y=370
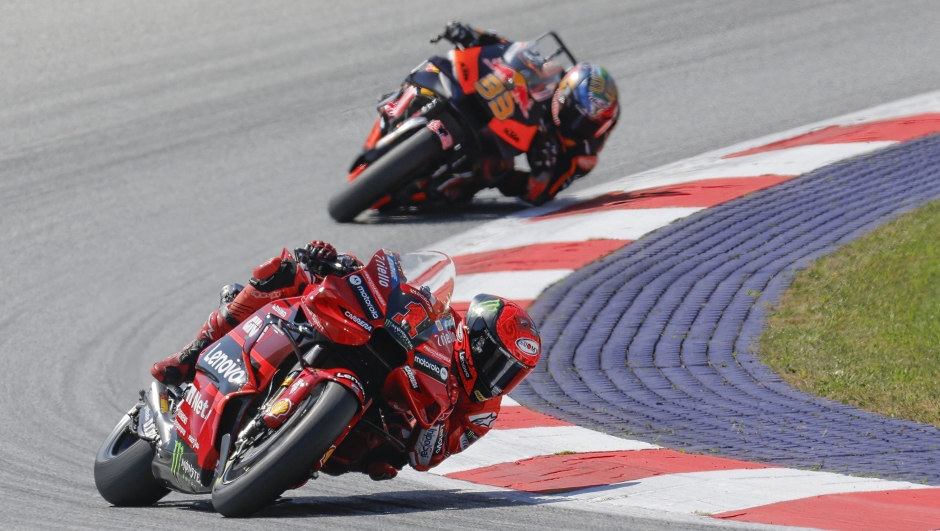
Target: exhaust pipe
x=159, y=406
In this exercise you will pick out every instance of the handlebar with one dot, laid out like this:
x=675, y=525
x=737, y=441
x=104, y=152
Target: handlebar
x=303, y=256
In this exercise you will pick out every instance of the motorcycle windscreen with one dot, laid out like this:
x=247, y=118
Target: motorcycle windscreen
x=434, y=271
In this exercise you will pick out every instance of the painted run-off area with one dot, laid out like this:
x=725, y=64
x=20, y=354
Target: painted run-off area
x=525, y=253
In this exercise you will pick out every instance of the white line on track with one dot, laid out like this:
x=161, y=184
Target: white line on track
x=517, y=231
x=729, y=490
x=507, y=446
x=515, y=285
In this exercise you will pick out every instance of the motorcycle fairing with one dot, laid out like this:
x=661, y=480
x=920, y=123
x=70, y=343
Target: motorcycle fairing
x=223, y=362
x=427, y=77
x=304, y=383
x=330, y=306
x=361, y=297
x=237, y=365
x=425, y=385
x=187, y=462
x=175, y=466
x=482, y=72
x=467, y=68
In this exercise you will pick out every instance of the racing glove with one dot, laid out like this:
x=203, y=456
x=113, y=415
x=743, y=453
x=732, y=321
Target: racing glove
x=314, y=254
x=321, y=250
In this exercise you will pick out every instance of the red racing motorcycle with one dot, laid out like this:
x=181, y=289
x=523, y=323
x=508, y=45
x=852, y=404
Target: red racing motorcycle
x=325, y=382
x=451, y=118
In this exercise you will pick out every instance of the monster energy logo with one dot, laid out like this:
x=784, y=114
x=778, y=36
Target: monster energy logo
x=190, y=474
x=177, y=458
x=490, y=305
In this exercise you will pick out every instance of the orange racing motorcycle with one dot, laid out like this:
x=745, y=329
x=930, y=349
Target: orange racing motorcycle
x=326, y=381
x=450, y=118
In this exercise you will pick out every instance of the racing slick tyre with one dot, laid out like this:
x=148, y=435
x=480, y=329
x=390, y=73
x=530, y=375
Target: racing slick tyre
x=123, y=473
x=255, y=477
x=386, y=175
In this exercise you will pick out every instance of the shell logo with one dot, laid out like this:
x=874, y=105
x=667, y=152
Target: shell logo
x=280, y=407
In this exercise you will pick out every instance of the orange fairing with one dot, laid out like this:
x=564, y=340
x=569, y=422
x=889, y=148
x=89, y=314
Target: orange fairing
x=467, y=68
x=359, y=169
x=374, y=135
x=515, y=134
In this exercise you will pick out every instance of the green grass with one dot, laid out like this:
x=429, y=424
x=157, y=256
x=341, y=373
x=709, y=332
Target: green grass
x=862, y=325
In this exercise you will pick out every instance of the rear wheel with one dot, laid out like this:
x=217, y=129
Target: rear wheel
x=256, y=476
x=387, y=175
x=123, y=473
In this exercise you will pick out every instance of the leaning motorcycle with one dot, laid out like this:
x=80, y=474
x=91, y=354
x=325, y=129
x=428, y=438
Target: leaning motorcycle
x=452, y=117
x=324, y=382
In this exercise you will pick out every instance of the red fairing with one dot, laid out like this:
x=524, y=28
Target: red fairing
x=381, y=276
x=270, y=348
x=425, y=386
x=297, y=390
x=347, y=310
x=333, y=309
x=466, y=424
x=198, y=416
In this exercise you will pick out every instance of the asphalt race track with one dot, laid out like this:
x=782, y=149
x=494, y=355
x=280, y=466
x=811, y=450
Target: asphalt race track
x=151, y=152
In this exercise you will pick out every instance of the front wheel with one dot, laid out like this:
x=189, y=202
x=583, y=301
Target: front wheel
x=255, y=477
x=123, y=473
x=386, y=175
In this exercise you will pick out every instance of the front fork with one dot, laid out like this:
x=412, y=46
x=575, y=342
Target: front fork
x=294, y=390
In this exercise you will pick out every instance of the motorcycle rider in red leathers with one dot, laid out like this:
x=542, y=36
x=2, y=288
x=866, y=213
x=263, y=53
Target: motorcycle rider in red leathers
x=579, y=115
x=497, y=345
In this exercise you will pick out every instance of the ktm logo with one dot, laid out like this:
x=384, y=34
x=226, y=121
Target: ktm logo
x=511, y=134
x=465, y=72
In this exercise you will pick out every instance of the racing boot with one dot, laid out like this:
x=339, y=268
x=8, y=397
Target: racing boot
x=380, y=471
x=176, y=369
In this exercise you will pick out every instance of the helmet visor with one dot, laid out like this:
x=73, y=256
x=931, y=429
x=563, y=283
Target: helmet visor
x=575, y=124
x=497, y=370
